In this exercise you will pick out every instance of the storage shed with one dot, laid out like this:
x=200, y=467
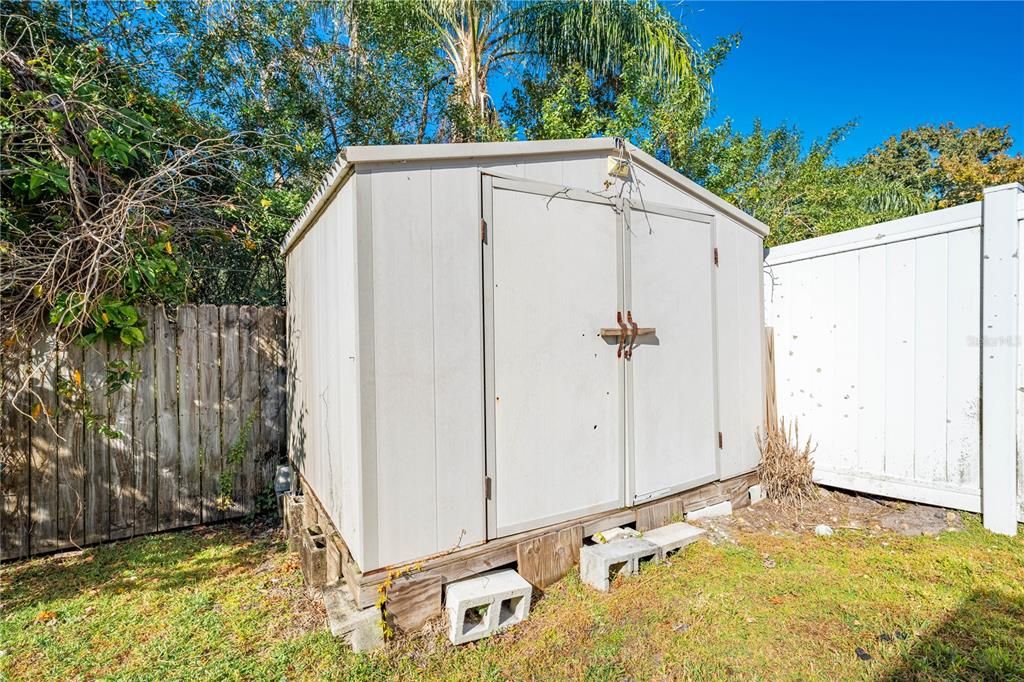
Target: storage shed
x=486, y=339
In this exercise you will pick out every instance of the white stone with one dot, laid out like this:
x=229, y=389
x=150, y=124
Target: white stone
x=613, y=534
x=361, y=627
x=756, y=494
x=672, y=537
x=478, y=607
x=710, y=512
x=599, y=564
x=823, y=531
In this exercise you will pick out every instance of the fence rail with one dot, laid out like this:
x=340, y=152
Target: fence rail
x=192, y=436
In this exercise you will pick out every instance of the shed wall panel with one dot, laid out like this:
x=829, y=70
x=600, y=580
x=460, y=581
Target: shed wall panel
x=404, y=355
x=323, y=365
x=458, y=356
x=739, y=346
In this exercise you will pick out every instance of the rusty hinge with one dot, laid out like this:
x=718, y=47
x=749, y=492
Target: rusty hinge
x=719, y=440
x=716, y=255
x=487, y=487
x=483, y=230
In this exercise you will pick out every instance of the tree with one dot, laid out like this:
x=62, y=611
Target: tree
x=478, y=37
x=946, y=165
x=800, y=194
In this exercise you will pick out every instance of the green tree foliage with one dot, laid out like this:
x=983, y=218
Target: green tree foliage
x=800, y=194
x=946, y=165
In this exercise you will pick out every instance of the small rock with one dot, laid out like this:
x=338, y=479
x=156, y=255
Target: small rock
x=823, y=531
x=769, y=563
x=884, y=637
x=863, y=655
x=681, y=627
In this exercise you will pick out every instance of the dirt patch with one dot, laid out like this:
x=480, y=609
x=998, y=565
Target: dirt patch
x=839, y=511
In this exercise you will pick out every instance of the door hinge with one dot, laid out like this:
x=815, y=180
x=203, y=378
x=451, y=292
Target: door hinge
x=719, y=440
x=716, y=255
x=487, y=487
x=483, y=230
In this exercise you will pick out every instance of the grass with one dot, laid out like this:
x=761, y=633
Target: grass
x=227, y=603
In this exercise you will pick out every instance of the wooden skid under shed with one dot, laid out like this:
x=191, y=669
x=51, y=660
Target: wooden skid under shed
x=527, y=548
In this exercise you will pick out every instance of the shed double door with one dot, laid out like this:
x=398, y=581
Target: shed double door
x=574, y=424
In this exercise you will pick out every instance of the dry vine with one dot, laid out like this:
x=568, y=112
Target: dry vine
x=102, y=185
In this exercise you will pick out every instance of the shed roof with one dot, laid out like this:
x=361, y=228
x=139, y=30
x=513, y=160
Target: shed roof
x=355, y=155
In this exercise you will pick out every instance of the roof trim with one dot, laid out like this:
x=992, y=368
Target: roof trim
x=674, y=177
x=351, y=156
x=475, y=150
x=332, y=182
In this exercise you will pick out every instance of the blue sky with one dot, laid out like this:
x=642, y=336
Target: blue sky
x=891, y=65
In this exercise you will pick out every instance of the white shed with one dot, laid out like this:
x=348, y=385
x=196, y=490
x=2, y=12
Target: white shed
x=486, y=339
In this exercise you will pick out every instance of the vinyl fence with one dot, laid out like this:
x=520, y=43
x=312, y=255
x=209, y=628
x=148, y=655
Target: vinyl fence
x=896, y=343
x=185, y=430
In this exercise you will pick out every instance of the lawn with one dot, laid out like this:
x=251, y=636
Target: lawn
x=227, y=602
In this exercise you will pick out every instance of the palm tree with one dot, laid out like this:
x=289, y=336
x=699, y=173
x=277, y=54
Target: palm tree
x=476, y=36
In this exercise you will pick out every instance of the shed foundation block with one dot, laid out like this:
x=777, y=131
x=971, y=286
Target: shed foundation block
x=673, y=537
x=711, y=511
x=361, y=627
x=314, y=557
x=480, y=606
x=600, y=564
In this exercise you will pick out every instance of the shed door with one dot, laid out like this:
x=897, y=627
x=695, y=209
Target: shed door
x=552, y=270
x=672, y=435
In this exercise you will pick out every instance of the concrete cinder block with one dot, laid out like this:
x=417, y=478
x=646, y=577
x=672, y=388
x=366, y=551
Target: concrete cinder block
x=613, y=534
x=293, y=521
x=478, y=607
x=599, y=564
x=363, y=628
x=313, y=557
x=756, y=494
x=711, y=511
x=673, y=537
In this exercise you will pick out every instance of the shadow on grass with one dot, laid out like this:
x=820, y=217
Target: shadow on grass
x=163, y=562
x=981, y=640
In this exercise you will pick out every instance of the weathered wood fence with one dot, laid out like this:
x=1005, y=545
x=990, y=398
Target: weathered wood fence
x=201, y=426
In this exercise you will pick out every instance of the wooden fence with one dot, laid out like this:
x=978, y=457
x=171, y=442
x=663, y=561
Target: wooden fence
x=200, y=427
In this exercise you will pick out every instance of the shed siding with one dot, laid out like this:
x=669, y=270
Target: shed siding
x=427, y=293
x=386, y=347
x=739, y=346
x=322, y=327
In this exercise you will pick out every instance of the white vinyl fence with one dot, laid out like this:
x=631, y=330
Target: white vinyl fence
x=897, y=347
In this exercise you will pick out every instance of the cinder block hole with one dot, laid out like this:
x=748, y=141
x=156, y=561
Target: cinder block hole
x=615, y=569
x=475, y=619
x=645, y=560
x=508, y=610
x=314, y=530
x=320, y=542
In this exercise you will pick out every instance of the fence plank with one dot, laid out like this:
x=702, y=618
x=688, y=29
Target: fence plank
x=97, y=499
x=273, y=376
x=144, y=439
x=209, y=411
x=70, y=465
x=14, y=481
x=168, y=460
x=213, y=379
x=43, y=492
x=190, y=492
x=249, y=372
x=122, y=462
x=230, y=405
